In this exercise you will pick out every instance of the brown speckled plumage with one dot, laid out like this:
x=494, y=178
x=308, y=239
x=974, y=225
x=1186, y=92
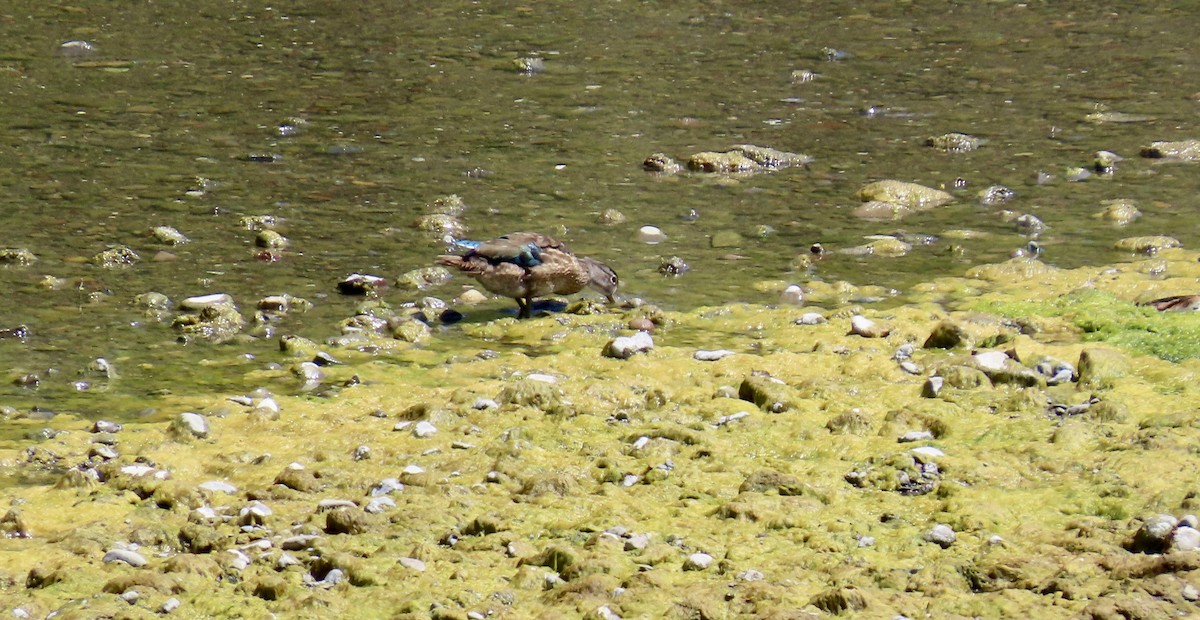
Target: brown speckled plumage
x=527, y=265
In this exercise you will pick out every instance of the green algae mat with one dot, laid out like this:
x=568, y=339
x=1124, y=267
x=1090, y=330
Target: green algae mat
x=1018, y=442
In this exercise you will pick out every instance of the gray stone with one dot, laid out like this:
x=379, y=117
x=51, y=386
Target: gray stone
x=193, y=423
x=941, y=535
x=698, y=561
x=1154, y=535
x=625, y=347
x=217, y=486
x=413, y=564
x=712, y=356
x=1185, y=538
x=131, y=558
x=912, y=436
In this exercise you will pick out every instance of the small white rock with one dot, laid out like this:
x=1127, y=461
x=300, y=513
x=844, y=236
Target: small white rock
x=651, y=235
x=218, y=486
x=792, y=296
x=862, y=326
x=424, y=430
x=131, y=558
x=201, y=302
x=413, y=564
x=941, y=535
x=912, y=436
x=380, y=504
x=544, y=378
x=733, y=417
x=413, y=469
x=712, y=356
x=992, y=360
x=810, y=318
x=195, y=423
x=169, y=605
x=928, y=451
x=698, y=561
x=485, y=403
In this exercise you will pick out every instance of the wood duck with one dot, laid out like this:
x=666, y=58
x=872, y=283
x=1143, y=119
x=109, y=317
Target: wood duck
x=526, y=265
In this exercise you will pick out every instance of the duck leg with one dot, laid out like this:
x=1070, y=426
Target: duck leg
x=525, y=304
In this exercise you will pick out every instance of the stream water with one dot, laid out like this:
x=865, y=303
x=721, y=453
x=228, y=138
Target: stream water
x=345, y=120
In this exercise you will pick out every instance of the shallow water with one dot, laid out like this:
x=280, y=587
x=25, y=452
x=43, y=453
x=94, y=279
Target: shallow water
x=393, y=107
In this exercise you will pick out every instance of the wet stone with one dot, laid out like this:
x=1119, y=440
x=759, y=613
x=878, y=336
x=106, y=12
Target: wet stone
x=17, y=256
x=168, y=235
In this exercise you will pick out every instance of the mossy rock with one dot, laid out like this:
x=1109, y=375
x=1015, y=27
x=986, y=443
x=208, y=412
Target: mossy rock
x=1099, y=369
x=767, y=392
x=767, y=480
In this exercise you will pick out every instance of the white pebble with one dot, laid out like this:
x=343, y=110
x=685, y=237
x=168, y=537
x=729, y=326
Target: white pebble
x=712, y=356
x=379, y=504
x=810, y=318
x=169, y=605
x=201, y=302
x=424, y=430
x=413, y=469
x=698, y=561
x=413, y=564
x=927, y=451
x=792, y=296
x=544, y=378
x=651, y=235
x=218, y=486
x=733, y=417
x=195, y=423
x=131, y=558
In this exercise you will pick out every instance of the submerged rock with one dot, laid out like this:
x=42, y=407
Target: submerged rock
x=1149, y=244
x=910, y=195
x=1182, y=150
x=17, y=256
x=954, y=142
x=116, y=257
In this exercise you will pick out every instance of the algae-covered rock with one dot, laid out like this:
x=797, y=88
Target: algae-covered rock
x=1099, y=369
x=840, y=600
x=1017, y=269
x=1120, y=212
x=947, y=334
x=1149, y=244
x=852, y=422
x=168, y=235
x=711, y=161
x=215, y=319
x=346, y=520
x=525, y=392
x=299, y=479
x=1001, y=369
x=661, y=162
x=911, y=195
x=767, y=392
x=423, y=278
x=768, y=157
x=881, y=210
x=1182, y=150
x=767, y=480
x=115, y=257
x=16, y=256
x=954, y=142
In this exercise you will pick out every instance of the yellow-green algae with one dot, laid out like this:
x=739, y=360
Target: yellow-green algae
x=1042, y=506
